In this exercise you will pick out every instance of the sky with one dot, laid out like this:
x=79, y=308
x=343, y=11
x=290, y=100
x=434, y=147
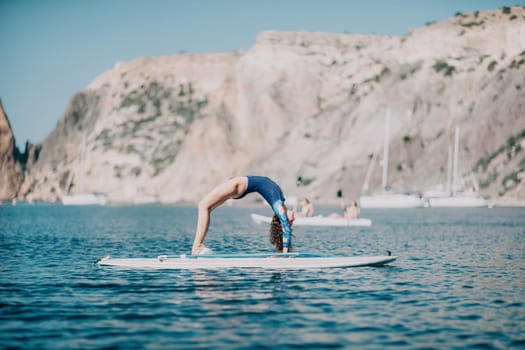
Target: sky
x=51, y=49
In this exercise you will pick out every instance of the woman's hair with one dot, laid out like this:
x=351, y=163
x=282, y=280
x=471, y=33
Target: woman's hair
x=276, y=234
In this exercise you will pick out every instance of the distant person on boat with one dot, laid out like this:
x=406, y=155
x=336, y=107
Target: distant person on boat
x=349, y=212
x=237, y=188
x=307, y=209
x=353, y=210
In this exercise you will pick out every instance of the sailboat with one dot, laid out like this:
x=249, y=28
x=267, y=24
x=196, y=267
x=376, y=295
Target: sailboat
x=387, y=199
x=146, y=200
x=83, y=198
x=453, y=198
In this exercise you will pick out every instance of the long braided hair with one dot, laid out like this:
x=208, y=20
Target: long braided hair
x=276, y=234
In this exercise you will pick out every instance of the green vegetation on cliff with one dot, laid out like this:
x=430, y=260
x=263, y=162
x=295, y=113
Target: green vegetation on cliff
x=155, y=133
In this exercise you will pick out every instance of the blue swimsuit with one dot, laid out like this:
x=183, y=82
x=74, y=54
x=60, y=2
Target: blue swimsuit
x=272, y=193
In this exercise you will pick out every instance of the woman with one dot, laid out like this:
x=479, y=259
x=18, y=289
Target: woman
x=237, y=188
x=349, y=212
x=307, y=209
x=353, y=211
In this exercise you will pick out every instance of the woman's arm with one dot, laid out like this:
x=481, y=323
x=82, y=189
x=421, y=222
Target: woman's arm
x=280, y=210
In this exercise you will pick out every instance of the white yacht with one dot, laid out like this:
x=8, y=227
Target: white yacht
x=452, y=197
x=146, y=200
x=82, y=197
x=387, y=199
x=85, y=199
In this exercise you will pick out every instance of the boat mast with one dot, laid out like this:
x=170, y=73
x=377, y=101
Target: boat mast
x=82, y=164
x=455, y=173
x=385, y=149
x=449, y=169
x=369, y=173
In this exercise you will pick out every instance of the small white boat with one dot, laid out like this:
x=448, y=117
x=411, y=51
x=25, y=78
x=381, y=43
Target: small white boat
x=458, y=202
x=85, y=199
x=236, y=261
x=146, y=200
x=393, y=200
x=316, y=221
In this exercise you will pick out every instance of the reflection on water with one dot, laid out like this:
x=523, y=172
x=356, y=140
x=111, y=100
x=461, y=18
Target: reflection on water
x=459, y=282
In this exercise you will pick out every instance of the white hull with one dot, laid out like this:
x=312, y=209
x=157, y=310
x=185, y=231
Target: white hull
x=317, y=221
x=435, y=194
x=391, y=201
x=85, y=199
x=457, y=202
x=146, y=200
x=264, y=261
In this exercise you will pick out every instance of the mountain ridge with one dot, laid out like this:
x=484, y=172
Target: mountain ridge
x=301, y=104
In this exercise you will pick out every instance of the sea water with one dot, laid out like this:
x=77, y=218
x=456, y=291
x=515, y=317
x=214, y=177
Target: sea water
x=459, y=281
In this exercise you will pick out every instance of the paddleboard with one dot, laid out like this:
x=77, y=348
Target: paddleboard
x=316, y=221
x=235, y=261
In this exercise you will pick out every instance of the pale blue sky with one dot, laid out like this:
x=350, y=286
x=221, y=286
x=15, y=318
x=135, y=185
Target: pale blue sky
x=51, y=49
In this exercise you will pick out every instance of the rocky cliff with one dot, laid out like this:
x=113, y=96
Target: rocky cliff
x=11, y=173
x=308, y=105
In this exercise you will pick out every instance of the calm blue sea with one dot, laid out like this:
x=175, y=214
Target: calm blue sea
x=459, y=282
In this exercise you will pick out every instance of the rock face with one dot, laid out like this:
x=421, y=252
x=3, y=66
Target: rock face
x=11, y=174
x=309, y=105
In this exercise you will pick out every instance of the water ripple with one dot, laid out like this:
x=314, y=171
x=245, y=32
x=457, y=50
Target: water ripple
x=459, y=282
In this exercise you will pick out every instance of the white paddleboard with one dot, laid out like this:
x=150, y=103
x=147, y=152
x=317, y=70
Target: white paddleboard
x=234, y=261
x=317, y=221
